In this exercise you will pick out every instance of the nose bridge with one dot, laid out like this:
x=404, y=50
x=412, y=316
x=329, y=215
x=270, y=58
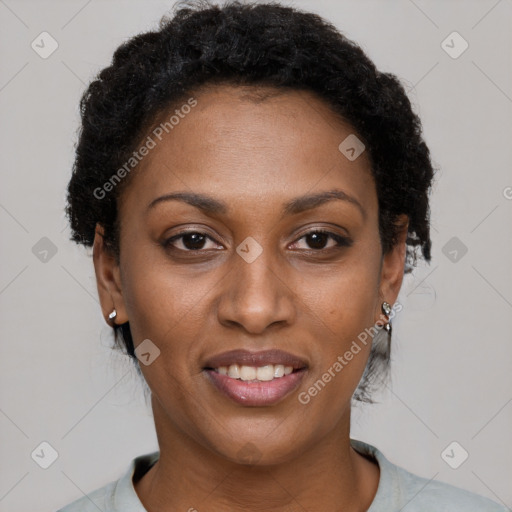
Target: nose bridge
x=257, y=295
x=257, y=266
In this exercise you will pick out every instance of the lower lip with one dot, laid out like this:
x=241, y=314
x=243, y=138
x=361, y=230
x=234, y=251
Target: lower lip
x=256, y=394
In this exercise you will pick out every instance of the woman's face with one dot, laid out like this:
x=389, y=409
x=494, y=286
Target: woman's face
x=251, y=272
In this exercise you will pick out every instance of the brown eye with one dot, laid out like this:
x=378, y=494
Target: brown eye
x=318, y=240
x=189, y=241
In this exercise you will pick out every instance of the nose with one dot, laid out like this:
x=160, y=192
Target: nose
x=257, y=295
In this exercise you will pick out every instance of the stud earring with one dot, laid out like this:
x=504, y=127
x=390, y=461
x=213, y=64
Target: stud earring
x=386, y=309
x=112, y=315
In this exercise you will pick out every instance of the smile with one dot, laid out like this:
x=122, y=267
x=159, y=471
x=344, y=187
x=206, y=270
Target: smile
x=255, y=379
x=255, y=374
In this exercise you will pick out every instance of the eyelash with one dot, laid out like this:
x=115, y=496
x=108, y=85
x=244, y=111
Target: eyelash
x=341, y=241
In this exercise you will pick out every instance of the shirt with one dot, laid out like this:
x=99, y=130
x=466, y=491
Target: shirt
x=398, y=490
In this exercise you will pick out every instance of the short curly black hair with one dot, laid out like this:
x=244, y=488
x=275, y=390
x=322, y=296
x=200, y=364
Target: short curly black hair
x=254, y=44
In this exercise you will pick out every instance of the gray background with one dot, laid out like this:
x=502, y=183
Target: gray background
x=451, y=378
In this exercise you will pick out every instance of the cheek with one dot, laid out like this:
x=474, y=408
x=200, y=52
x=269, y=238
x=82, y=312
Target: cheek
x=342, y=308
x=345, y=298
x=167, y=308
x=159, y=300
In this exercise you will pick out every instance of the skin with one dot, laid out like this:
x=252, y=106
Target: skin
x=311, y=300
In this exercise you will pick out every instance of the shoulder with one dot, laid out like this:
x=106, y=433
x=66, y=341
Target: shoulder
x=400, y=489
x=422, y=494
x=94, y=501
x=116, y=496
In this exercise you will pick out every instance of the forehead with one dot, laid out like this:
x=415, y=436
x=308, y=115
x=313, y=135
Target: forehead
x=249, y=143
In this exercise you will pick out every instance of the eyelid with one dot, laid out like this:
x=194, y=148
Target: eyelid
x=167, y=242
x=341, y=240
x=330, y=230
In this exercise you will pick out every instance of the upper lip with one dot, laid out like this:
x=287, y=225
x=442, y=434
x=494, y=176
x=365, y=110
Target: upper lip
x=257, y=359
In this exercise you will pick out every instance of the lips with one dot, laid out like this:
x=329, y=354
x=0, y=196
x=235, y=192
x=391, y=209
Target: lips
x=222, y=372
x=256, y=359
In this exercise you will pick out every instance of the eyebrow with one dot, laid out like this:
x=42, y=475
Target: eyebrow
x=210, y=205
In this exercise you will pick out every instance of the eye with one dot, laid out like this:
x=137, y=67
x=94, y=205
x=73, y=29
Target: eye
x=318, y=238
x=195, y=241
x=189, y=241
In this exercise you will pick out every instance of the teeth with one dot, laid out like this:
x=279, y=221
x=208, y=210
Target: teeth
x=261, y=373
x=278, y=370
x=234, y=371
x=265, y=372
x=247, y=372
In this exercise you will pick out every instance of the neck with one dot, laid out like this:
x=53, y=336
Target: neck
x=329, y=476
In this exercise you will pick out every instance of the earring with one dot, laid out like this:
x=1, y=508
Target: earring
x=386, y=309
x=112, y=315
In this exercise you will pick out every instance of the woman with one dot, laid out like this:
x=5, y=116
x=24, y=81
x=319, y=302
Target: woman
x=254, y=190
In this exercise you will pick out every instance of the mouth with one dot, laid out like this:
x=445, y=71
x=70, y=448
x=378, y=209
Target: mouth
x=266, y=373
x=255, y=378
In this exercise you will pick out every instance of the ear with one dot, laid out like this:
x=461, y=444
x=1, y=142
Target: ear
x=392, y=267
x=108, y=279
